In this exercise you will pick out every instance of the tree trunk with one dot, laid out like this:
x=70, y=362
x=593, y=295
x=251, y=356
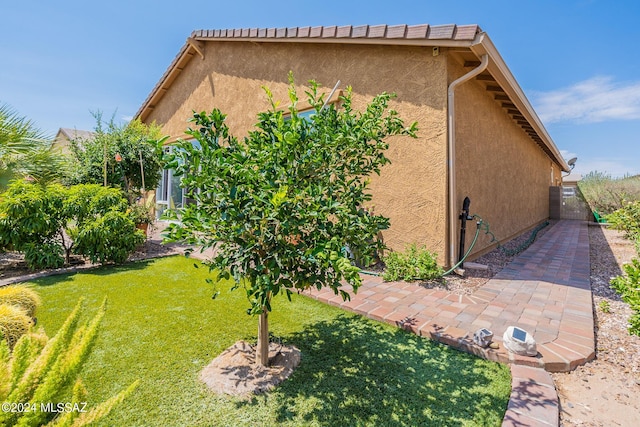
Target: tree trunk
x=262, y=349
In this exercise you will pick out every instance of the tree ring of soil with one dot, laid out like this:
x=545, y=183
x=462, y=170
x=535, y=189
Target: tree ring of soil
x=235, y=372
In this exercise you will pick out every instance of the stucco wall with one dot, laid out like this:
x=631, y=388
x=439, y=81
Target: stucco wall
x=412, y=189
x=504, y=173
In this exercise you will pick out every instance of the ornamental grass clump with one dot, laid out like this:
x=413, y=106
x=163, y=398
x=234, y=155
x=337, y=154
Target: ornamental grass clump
x=20, y=296
x=42, y=371
x=14, y=323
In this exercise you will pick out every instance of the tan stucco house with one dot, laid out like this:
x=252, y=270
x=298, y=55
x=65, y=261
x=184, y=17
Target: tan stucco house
x=63, y=138
x=478, y=134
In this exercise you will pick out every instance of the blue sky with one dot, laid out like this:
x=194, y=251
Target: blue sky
x=577, y=60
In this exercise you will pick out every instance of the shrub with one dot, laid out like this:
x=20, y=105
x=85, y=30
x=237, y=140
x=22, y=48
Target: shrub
x=14, y=323
x=85, y=202
x=627, y=219
x=40, y=255
x=110, y=238
x=20, y=296
x=46, y=370
x=628, y=286
x=44, y=222
x=606, y=194
x=412, y=264
x=31, y=217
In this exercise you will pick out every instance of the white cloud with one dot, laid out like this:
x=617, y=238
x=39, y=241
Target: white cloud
x=594, y=100
x=127, y=118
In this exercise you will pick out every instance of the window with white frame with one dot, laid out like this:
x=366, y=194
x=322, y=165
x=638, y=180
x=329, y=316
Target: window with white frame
x=169, y=194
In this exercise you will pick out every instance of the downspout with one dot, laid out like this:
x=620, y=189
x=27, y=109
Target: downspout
x=451, y=170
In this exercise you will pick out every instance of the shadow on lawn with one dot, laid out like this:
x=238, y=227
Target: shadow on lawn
x=57, y=277
x=356, y=372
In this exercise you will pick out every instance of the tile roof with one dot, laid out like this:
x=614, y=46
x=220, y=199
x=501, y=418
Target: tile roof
x=469, y=37
x=76, y=133
x=392, y=32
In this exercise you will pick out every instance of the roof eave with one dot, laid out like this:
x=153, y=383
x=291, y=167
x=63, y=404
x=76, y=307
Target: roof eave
x=410, y=35
x=503, y=76
x=186, y=53
x=449, y=36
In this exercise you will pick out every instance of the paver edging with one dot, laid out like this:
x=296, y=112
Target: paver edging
x=534, y=399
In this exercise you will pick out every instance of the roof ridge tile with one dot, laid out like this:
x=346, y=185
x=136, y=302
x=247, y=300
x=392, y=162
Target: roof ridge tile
x=382, y=31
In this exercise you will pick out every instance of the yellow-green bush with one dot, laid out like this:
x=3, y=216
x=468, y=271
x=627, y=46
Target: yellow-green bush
x=415, y=263
x=20, y=296
x=14, y=323
x=41, y=370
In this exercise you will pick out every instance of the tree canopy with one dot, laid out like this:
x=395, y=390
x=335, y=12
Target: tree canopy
x=284, y=206
x=124, y=156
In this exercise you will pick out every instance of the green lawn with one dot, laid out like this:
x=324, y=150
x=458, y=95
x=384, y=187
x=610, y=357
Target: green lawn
x=162, y=327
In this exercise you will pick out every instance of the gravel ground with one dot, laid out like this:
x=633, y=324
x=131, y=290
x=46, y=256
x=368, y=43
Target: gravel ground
x=605, y=391
x=494, y=261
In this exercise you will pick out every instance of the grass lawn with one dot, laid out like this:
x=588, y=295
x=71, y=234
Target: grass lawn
x=162, y=327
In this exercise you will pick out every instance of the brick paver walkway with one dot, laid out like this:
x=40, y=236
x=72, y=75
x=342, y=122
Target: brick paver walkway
x=545, y=290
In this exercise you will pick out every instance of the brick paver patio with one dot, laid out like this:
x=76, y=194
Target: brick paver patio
x=544, y=290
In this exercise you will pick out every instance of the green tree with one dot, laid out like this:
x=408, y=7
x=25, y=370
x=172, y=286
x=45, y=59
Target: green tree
x=24, y=150
x=282, y=206
x=125, y=156
x=48, y=222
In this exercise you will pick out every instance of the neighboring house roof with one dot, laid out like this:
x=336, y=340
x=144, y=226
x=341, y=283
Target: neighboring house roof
x=69, y=134
x=471, y=43
x=572, y=178
x=64, y=136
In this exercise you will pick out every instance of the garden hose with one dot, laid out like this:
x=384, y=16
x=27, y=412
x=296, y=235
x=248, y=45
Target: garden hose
x=475, y=239
x=511, y=252
x=473, y=243
x=482, y=225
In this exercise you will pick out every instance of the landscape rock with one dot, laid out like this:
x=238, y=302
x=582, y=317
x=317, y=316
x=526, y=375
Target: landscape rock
x=482, y=337
x=526, y=347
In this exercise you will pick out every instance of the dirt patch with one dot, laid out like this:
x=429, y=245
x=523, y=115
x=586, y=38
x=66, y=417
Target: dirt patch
x=235, y=372
x=13, y=266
